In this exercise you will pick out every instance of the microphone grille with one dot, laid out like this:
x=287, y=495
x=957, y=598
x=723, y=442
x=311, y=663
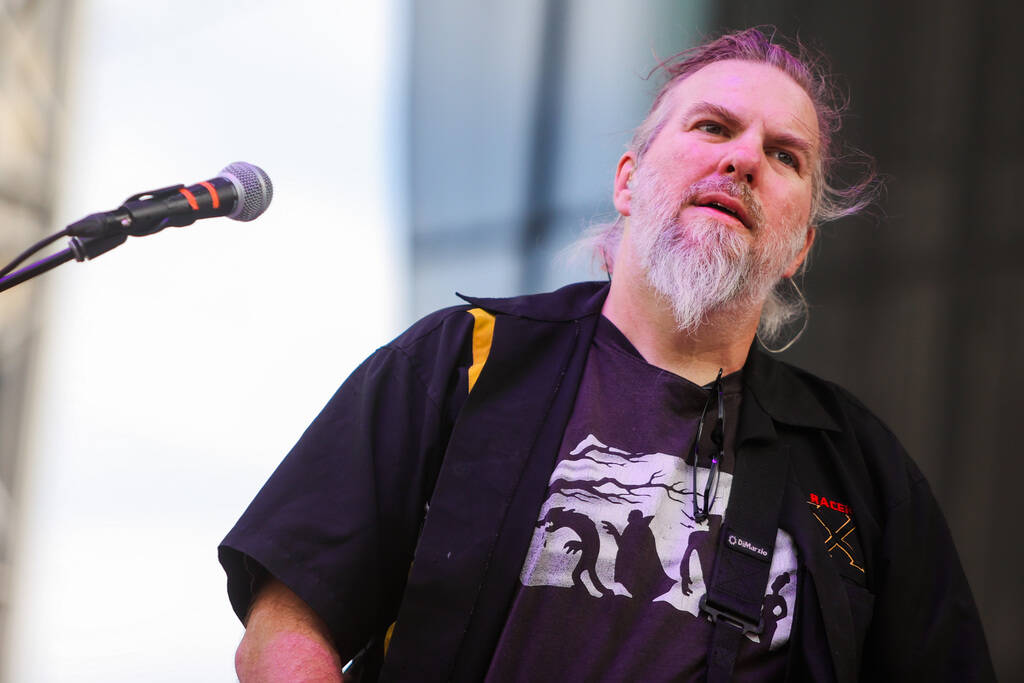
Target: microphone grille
x=254, y=190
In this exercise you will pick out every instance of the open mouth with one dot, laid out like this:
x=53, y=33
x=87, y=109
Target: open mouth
x=727, y=210
x=721, y=198
x=724, y=209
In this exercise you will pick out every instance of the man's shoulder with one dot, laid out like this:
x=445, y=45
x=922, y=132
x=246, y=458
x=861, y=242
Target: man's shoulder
x=571, y=302
x=451, y=327
x=853, y=440
x=792, y=393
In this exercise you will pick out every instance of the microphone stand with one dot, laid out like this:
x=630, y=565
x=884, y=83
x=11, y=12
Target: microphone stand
x=96, y=234
x=79, y=249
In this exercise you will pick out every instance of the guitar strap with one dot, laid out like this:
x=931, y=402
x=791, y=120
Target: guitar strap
x=739, y=578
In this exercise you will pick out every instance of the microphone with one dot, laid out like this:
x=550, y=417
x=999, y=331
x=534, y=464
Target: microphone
x=241, y=192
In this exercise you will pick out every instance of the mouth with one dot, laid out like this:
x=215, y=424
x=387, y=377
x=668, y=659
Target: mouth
x=724, y=204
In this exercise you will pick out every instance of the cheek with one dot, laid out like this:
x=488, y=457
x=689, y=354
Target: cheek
x=681, y=156
x=794, y=209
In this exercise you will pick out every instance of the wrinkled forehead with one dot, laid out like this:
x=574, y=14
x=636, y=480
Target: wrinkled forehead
x=753, y=91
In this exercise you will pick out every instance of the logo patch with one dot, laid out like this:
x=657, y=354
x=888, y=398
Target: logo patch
x=838, y=529
x=746, y=547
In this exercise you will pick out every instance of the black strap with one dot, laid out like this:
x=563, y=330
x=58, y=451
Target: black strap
x=739, y=579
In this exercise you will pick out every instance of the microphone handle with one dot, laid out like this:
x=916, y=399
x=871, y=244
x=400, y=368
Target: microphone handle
x=178, y=206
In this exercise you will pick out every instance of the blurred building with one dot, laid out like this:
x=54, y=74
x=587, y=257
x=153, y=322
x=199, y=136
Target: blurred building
x=518, y=114
x=33, y=39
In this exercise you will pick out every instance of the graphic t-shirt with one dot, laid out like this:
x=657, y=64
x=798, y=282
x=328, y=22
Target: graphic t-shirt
x=611, y=584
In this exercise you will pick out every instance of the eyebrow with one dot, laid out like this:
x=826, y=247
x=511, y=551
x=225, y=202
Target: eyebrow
x=716, y=110
x=782, y=139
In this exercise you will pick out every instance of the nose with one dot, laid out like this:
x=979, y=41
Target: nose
x=742, y=160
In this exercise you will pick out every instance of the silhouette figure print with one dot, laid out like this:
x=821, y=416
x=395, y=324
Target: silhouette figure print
x=698, y=540
x=637, y=564
x=774, y=609
x=588, y=546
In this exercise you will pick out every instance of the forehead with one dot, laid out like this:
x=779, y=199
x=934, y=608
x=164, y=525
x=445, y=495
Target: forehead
x=753, y=91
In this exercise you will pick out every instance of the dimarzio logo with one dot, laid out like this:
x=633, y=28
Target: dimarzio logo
x=743, y=544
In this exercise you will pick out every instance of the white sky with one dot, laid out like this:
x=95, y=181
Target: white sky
x=177, y=370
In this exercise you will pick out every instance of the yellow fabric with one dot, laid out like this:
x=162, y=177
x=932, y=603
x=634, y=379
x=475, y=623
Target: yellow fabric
x=483, y=333
x=387, y=636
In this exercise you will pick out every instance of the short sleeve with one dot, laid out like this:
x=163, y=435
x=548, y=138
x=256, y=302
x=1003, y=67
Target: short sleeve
x=337, y=521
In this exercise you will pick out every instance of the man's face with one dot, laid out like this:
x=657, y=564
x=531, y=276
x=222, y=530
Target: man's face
x=719, y=205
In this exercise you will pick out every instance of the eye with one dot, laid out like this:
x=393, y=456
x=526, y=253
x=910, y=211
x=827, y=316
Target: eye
x=787, y=158
x=711, y=128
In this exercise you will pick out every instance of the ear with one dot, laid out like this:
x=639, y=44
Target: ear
x=799, y=260
x=623, y=175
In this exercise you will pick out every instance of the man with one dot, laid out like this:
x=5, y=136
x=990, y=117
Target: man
x=613, y=482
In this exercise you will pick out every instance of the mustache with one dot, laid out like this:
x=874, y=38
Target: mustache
x=741, y=192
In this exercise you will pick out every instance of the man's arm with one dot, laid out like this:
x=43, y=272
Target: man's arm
x=285, y=641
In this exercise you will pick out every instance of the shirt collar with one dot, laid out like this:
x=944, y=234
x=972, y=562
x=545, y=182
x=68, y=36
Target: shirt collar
x=784, y=392
x=571, y=302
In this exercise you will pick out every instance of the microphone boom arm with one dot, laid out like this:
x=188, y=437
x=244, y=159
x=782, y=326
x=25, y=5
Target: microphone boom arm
x=79, y=249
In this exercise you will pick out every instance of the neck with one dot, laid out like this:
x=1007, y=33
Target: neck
x=646, y=319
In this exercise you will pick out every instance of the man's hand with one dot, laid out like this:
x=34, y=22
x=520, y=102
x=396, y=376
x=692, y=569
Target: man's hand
x=285, y=641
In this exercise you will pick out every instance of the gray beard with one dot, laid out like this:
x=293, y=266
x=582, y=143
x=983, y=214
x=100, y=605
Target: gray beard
x=702, y=266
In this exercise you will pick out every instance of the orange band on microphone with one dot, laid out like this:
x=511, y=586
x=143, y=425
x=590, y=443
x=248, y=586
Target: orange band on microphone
x=191, y=199
x=213, y=194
